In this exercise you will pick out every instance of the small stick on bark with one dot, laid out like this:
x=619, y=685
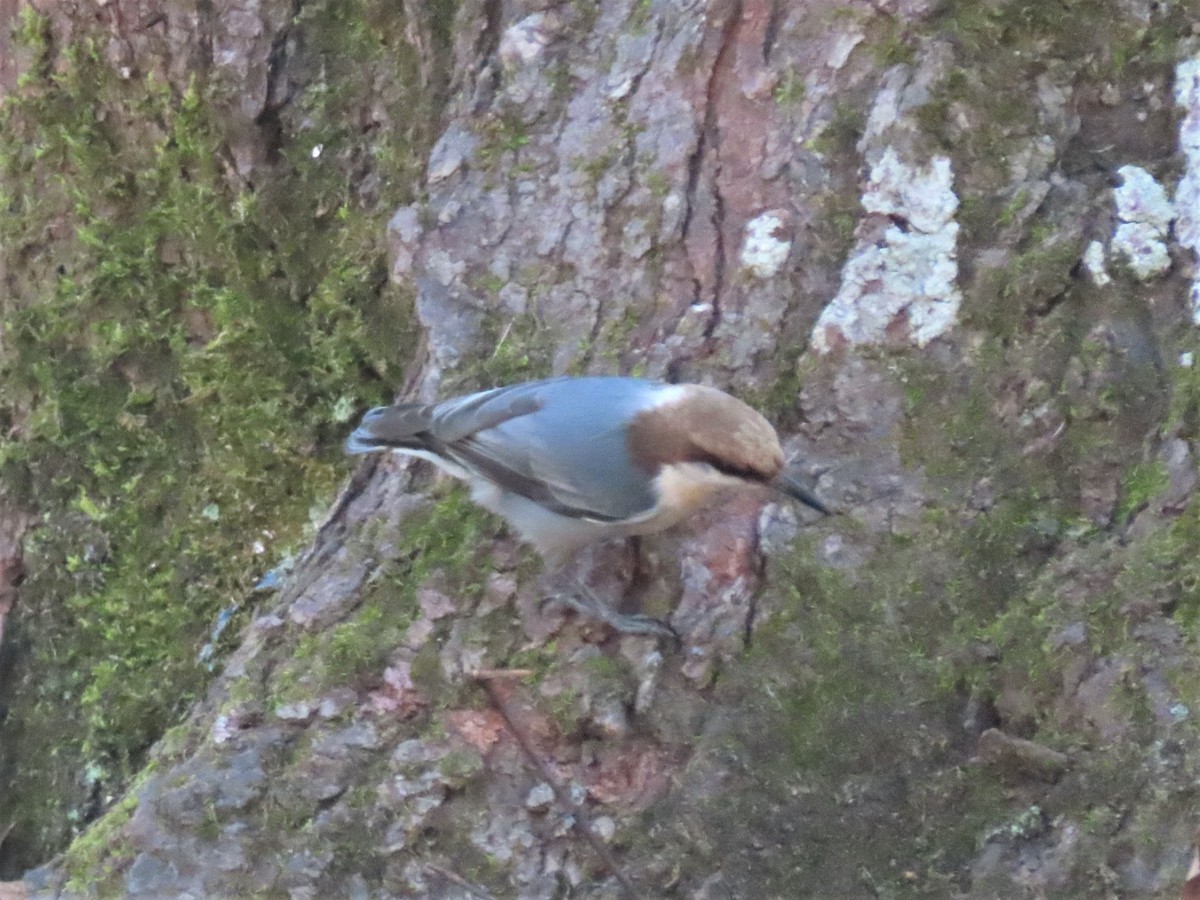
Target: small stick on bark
x=582, y=824
x=473, y=889
x=497, y=674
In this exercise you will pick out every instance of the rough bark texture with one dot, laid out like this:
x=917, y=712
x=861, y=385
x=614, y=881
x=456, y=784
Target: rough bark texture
x=905, y=231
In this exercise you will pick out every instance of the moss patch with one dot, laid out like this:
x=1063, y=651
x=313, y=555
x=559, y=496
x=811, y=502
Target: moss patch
x=95, y=861
x=183, y=353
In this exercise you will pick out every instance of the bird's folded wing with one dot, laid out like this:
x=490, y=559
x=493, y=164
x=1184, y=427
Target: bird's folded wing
x=548, y=453
x=453, y=420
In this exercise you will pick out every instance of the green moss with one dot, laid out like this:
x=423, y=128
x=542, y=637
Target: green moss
x=657, y=183
x=847, y=664
x=1041, y=269
x=613, y=342
x=453, y=540
x=838, y=212
x=426, y=673
x=500, y=136
x=285, y=810
x=566, y=709
x=789, y=90
x=595, y=168
x=353, y=653
x=175, y=744
x=1184, y=414
x=539, y=658
x=210, y=828
x=361, y=646
x=489, y=284
x=444, y=549
x=1018, y=202
x=839, y=138
x=1142, y=483
x=894, y=45
x=521, y=352
x=1063, y=30
x=639, y=17
x=778, y=398
x=1183, y=570
x=460, y=765
x=182, y=355
x=96, y=859
x=838, y=700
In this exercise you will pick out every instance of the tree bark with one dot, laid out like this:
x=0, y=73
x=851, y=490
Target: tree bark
x=909, y=233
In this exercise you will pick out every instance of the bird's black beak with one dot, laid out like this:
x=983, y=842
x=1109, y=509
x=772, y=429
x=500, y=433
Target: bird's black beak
x=789, y=484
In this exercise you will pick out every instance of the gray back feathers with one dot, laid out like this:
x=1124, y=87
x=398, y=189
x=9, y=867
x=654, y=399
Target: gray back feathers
x=561, y=443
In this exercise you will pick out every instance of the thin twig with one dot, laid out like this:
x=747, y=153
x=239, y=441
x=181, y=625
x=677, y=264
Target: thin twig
x=503, y=338
x=497, y=674
x=473, y=889
x=582, y=823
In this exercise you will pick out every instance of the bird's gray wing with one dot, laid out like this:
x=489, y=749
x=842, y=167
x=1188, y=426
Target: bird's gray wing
x=453, y=420
x=539, y=441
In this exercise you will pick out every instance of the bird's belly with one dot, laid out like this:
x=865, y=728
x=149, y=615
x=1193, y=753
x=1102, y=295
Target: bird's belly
x=553, y=535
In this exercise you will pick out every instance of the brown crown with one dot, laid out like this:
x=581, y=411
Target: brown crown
x=706, y=425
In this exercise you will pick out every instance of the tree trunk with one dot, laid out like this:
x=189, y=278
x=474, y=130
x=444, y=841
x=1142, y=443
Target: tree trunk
x=948, y=249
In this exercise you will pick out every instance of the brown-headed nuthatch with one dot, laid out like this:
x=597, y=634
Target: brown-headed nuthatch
x=572, y=461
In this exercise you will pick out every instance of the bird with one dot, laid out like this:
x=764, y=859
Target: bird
x=573, y=461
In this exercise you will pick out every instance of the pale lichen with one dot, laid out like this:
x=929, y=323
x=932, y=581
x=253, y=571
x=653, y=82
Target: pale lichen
x=1146, y=214
x=906, y=280
x=1094, y=262
x=1187, y=194
x=523, y=42
x=766, y=246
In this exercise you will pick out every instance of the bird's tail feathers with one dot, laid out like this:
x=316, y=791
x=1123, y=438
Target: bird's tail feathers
x=403, y=426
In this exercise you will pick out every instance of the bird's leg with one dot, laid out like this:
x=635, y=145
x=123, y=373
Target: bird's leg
x=584, y=601
x=569, y=589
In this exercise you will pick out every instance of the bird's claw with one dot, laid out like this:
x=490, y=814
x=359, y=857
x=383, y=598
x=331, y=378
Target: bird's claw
x=589, y=607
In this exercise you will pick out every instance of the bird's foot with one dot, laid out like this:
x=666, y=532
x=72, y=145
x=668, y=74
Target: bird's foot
x=586, y=604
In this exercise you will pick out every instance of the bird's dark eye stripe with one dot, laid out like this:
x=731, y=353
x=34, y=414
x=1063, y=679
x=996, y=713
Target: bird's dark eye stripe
x=727, y=468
